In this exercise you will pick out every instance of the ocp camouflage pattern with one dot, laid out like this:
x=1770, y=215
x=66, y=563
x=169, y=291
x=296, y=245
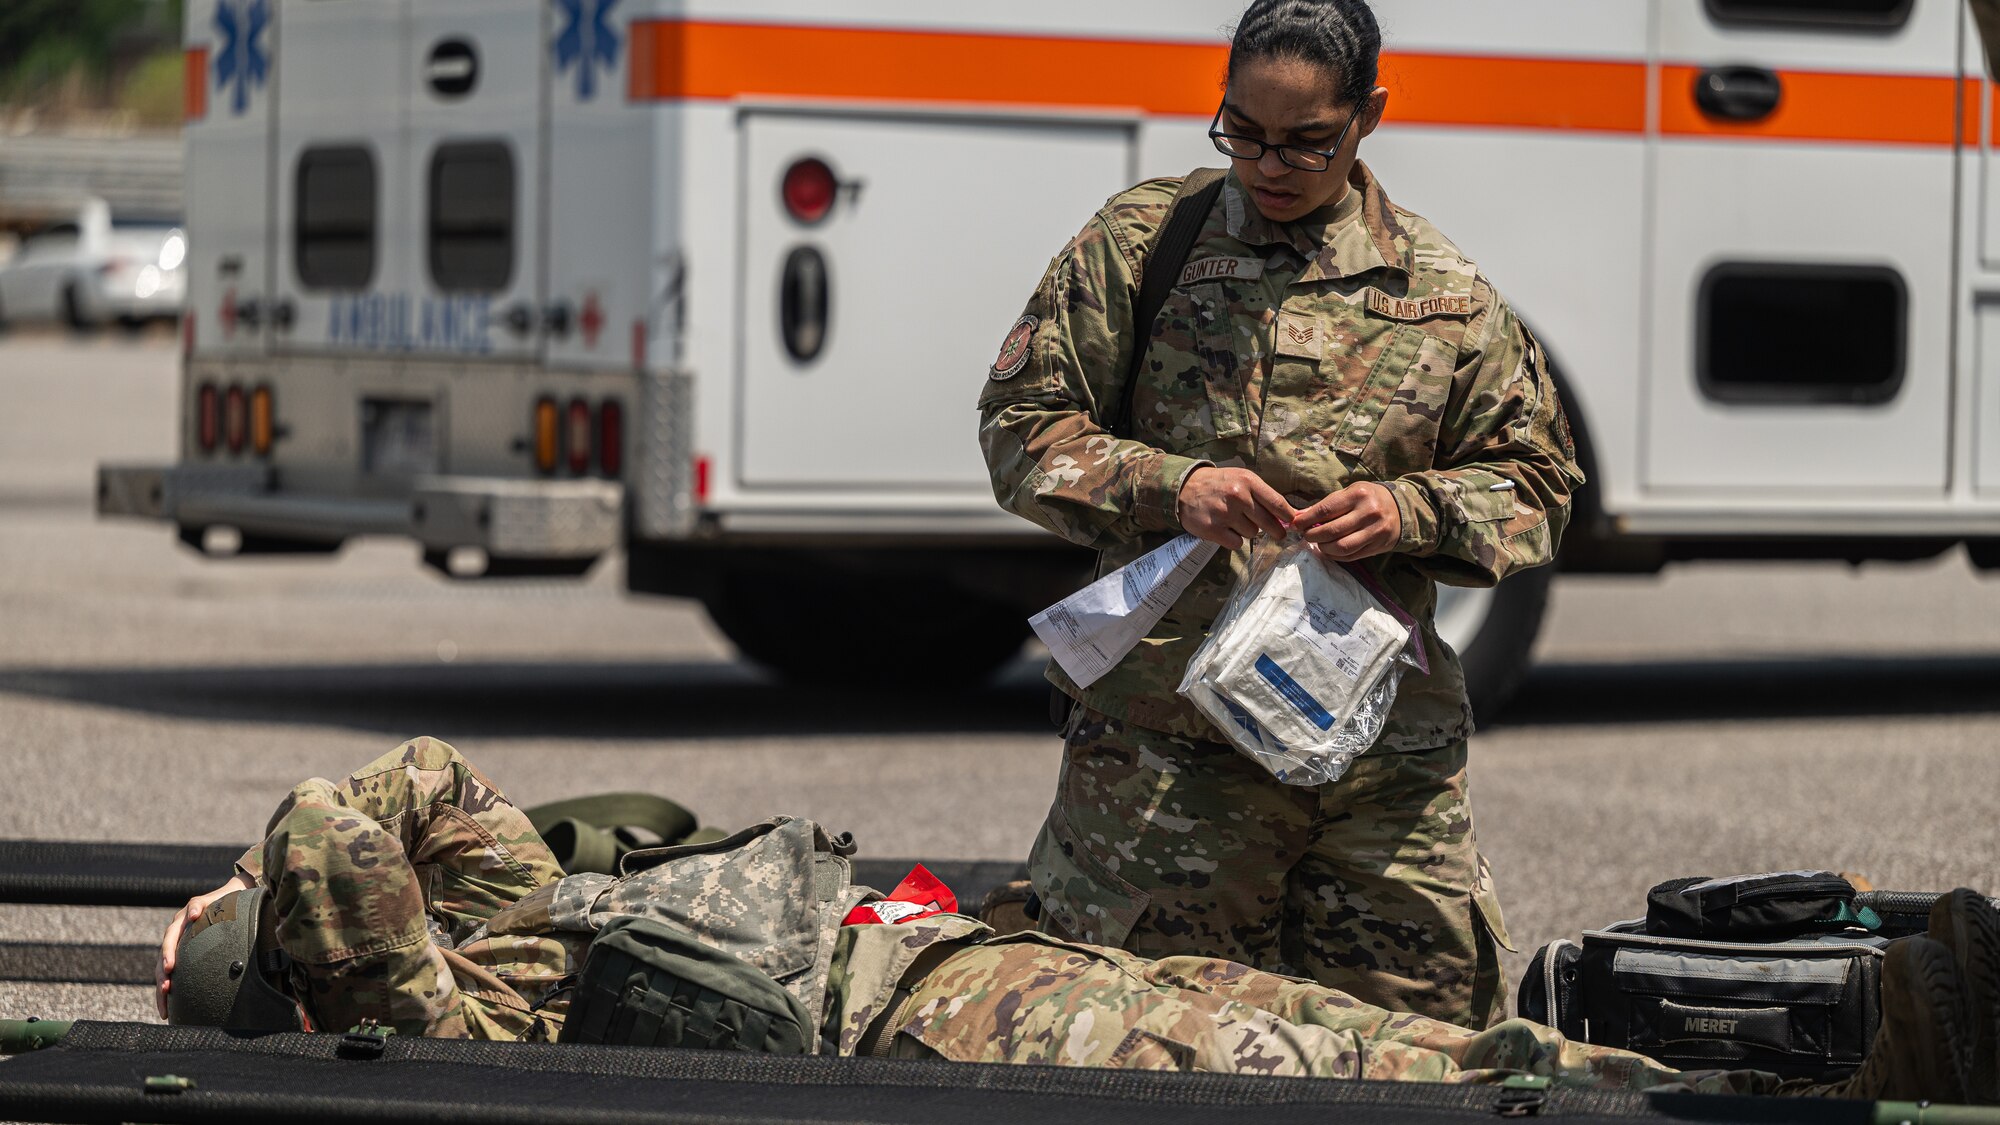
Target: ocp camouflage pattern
x=414, y=894
x=381, y=885
x=1306, y=373
x=1372, y=884
x=1032, y=999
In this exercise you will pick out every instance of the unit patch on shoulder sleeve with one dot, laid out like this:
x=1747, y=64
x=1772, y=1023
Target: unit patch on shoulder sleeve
x=1215, y=269
x=1014, y=349
x=1418, y=308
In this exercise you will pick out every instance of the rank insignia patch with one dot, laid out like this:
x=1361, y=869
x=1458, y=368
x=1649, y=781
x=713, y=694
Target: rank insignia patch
x=1299, y=336
x=1014, y=349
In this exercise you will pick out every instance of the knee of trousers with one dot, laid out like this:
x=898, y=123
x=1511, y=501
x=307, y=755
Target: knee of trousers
x=340, y=885
x=418, y=772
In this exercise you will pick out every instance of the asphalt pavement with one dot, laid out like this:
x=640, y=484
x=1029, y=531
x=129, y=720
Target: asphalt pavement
x=1716, y=719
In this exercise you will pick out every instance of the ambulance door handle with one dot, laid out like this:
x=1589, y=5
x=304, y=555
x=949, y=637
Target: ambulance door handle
x=1738, y=93
x=519, y=319
x=555, y=320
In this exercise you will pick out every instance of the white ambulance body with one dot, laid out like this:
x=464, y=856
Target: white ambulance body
x=717, y=282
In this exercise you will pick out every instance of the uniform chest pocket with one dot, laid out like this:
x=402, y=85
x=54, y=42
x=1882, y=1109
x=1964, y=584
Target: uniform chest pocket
x=1191, y=389
x=1392, y=425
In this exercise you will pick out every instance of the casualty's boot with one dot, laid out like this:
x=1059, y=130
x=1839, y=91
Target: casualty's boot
x=1922, y=1050
x=1966, y=923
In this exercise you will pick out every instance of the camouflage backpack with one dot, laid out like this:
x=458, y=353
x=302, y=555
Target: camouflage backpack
x=769, y=898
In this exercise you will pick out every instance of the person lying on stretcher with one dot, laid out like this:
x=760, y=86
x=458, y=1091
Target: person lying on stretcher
x=414, y=896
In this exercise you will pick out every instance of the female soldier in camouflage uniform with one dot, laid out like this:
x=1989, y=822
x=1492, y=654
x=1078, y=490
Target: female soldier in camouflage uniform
x=413, y=894
x=1328, y=364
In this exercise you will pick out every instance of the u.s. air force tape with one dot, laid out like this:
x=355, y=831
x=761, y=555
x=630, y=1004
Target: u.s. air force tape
x=1014, y=349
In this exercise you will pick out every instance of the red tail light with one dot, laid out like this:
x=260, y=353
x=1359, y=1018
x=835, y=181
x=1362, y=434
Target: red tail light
x=207, y=417
x=235, y=419
x=809, y=190
x=611, y=438
x=578, y=445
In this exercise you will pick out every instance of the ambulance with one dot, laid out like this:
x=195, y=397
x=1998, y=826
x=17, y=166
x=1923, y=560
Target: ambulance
x=713, y=285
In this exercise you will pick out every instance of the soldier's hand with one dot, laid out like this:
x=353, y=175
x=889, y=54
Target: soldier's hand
x=1228, y=506
x=170, y=944
x=1358, y=522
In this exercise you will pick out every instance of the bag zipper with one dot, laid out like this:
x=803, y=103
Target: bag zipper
x=1776, y=890
x=1826, y=948
x=1549, y=980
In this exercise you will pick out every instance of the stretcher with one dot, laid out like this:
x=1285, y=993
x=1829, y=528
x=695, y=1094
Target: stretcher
x=142, y=1072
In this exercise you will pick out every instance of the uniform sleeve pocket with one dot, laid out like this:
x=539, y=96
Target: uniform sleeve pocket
x=1476, y=503
x=1079, y=892
x=1520, y=530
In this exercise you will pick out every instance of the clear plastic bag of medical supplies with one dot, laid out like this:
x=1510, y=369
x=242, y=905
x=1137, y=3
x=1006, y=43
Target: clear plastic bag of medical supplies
x=1303, y=663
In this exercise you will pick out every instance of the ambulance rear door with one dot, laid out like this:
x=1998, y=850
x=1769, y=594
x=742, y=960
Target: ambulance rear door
x=408, y=177
x=228, y=97
x=338, y=159
x=1801, y=250
x=474, y=189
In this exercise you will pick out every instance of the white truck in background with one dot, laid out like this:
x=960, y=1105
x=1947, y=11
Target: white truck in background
x=716, y=283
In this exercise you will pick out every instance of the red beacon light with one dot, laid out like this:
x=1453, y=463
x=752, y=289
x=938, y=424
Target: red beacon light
x=809, y=190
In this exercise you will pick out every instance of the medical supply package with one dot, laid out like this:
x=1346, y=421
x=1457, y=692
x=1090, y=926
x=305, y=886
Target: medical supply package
x=1302, y=665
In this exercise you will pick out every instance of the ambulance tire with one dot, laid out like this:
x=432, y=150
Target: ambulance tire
x=1494, y=632
x=956, y=642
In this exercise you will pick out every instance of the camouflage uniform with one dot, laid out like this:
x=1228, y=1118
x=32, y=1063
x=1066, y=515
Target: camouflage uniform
x=413, y=893
x=381, y=885
x=1356, y=344
x=1030, y=998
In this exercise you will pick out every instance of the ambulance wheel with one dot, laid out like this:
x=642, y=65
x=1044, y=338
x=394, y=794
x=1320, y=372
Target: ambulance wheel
x=1493, y=632
x=837, y=633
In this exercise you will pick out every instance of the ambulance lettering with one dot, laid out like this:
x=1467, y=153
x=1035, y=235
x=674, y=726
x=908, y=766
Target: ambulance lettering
x=395, y=322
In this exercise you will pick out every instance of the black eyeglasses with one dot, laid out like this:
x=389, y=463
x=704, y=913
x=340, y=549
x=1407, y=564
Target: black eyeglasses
x=1297, y=156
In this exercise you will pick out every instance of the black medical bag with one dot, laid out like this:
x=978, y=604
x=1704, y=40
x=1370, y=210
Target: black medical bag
x=1776, y=972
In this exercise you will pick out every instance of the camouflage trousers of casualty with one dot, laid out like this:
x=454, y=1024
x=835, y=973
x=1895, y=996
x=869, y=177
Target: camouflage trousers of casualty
x=1373, y=884
x=380, y=883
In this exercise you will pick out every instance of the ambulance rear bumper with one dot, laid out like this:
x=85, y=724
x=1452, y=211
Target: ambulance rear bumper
x=506, y=518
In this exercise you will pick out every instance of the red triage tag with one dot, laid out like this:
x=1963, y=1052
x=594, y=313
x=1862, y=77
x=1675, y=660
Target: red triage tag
x=920, y=895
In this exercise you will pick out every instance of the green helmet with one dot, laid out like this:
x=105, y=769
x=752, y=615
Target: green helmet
x=230, y=971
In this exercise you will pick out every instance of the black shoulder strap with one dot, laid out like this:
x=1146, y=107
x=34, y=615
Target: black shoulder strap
x=1185, y=217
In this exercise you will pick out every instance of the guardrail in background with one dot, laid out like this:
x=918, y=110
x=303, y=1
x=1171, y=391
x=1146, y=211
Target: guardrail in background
x=43, y=178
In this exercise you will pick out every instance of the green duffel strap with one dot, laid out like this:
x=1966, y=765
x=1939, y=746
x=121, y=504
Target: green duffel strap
x=661, y=817
x=592, y=833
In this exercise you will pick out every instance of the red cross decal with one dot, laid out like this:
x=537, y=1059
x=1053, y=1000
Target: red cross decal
x=592, y=320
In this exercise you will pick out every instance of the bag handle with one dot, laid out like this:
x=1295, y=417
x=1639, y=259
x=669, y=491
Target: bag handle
x=1178, y=235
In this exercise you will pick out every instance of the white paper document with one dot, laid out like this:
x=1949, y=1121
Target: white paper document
x=1090, y=631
